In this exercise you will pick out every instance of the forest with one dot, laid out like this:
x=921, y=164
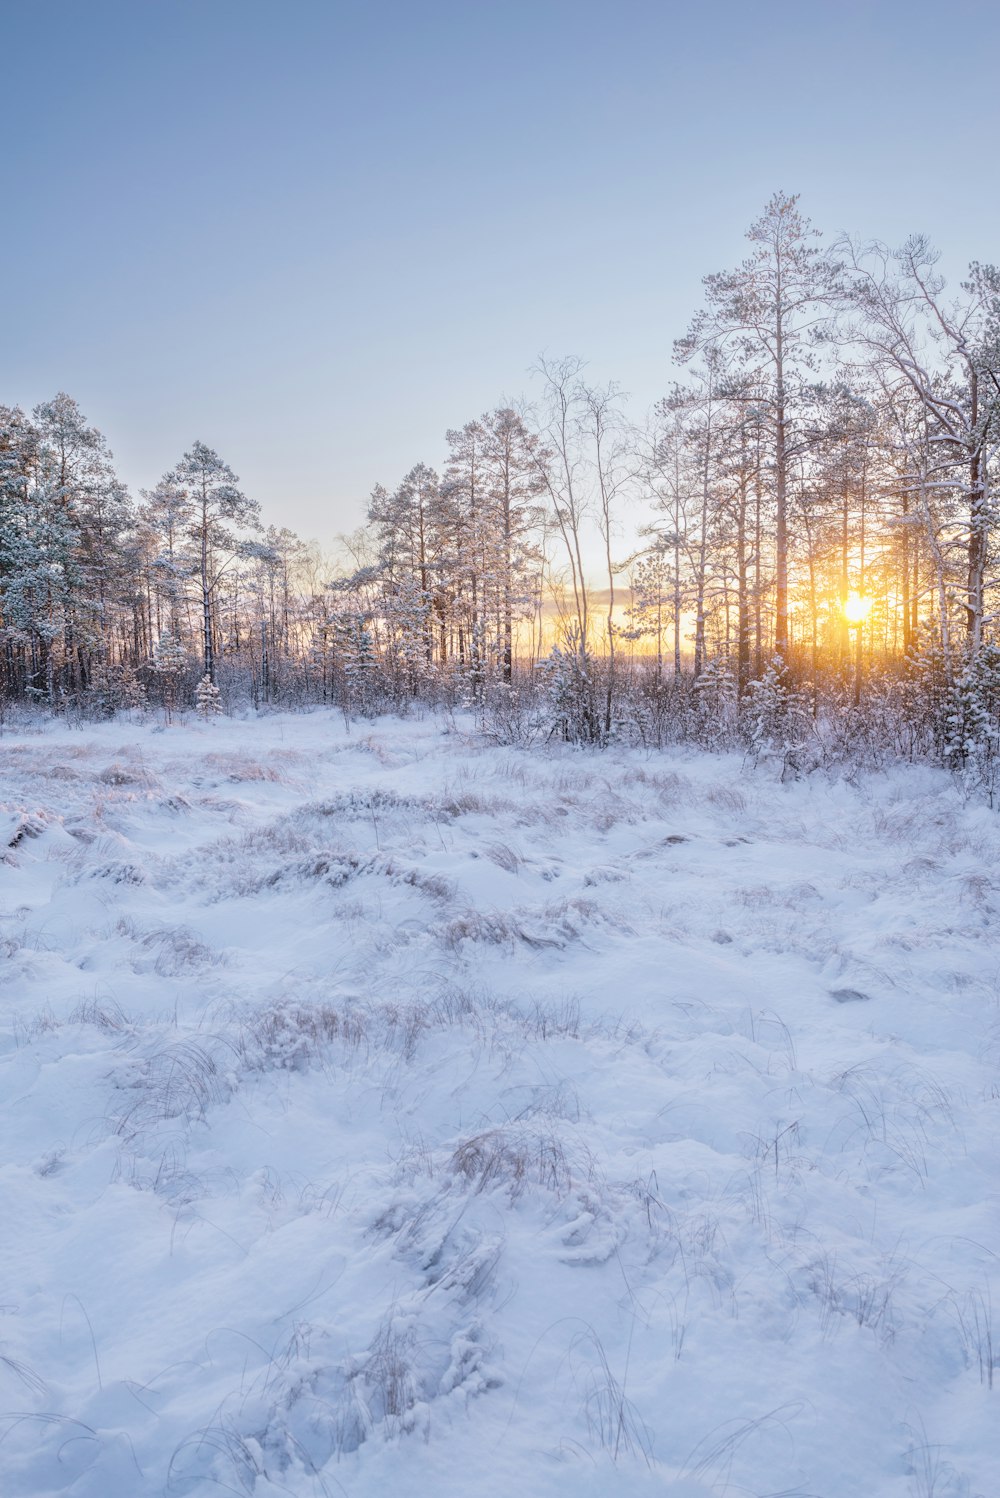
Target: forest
x=799, y=543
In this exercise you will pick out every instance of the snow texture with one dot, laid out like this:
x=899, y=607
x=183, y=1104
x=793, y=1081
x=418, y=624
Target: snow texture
x=384, y=1112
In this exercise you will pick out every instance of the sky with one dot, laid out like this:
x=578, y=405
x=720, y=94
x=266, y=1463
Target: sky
x=317, y=235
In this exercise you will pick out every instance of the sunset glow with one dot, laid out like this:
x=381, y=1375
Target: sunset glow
x=856, y=608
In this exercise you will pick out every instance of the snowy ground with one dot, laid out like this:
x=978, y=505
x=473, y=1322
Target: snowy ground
x=387, y=1113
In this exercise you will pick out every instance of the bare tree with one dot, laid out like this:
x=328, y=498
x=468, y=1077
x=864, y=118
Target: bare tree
x=945, y=353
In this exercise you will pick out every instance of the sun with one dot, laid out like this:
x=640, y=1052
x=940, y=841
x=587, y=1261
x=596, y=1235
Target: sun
x=856, y=608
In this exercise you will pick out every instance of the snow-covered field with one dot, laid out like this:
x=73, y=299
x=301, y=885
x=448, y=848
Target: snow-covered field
x=388, y=1113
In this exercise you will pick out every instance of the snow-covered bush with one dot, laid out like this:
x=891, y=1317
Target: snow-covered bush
x=927, y=692
x=112, y=689
x=510, y=714
x=775, y=716
x=356, y=650
x=571, y=693
x=972, y=723
x=713, y=713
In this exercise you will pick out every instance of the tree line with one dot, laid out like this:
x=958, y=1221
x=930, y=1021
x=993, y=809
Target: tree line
x=815, y=487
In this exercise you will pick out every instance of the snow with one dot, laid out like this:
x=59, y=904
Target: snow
x=386, y=1111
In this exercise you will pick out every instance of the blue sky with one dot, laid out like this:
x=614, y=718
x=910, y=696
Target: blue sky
x=315, y=235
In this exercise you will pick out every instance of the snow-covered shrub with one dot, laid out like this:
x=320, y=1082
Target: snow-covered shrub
x=657, y=708
x=872, y=733
x=714, y=707
x=112, y=689
x=356, y=650
x=571, y=693
x=775, y=716
x=972, y=722
x=927, y=691
x=510, y=714
x=971, y=705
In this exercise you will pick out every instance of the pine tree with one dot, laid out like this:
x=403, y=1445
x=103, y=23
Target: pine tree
x=214, y=504
x=90, y=512
x=768, y=312
x=405, y=524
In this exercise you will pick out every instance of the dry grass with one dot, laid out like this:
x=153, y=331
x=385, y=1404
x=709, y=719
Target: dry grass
x=295, y=1035
x=242, y=769
x=178, y=1081
x=103, y=1014
x=495, y=928
x=177, y=950
x=117, y=774
x=504, y=857
x=513, y=1158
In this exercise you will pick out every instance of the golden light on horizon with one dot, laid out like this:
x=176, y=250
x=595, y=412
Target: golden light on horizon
x=856, y=608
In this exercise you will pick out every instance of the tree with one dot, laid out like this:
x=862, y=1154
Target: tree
x=214, y=503
x=463, y=491
x=65, y=520
x=562, y=473
x=513, y=467
x=665, y=479
x=945, y=354
x=650, y=586
x=769, y=312
x=614, y=467
x=97, y=511
x=168, y=664
x=699, y=409
x=166, y=523
x=207, y=698
x=406, y=523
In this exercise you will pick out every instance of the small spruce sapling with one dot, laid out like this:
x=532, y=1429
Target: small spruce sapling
x=169, y=661
x=208, y=699
x=569, y=690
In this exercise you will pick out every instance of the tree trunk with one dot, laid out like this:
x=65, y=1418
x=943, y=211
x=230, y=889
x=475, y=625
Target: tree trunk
x=206, y=597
